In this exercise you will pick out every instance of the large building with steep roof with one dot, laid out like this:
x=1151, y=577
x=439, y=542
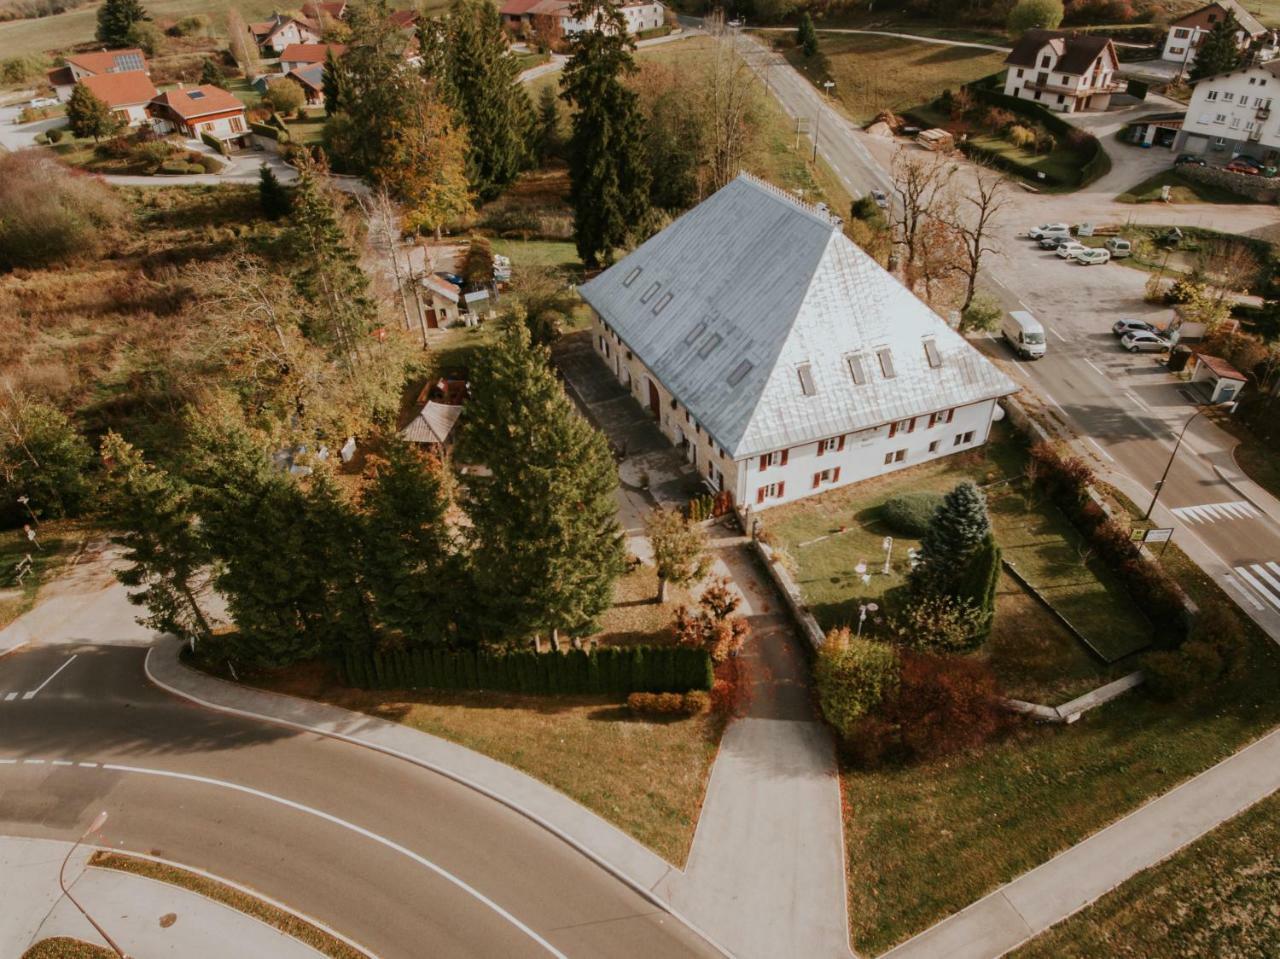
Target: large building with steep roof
x=1064, y=72
x=780, y=357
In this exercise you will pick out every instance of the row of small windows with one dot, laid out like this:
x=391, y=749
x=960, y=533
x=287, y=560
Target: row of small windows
x=856, y=363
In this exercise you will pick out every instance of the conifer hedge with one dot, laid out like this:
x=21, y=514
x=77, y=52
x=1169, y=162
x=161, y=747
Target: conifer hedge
x=616, y=671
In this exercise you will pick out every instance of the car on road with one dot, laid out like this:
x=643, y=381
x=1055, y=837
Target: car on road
x=1125, y=327
x=882, y=201
x=1023, y=332
x=1092, y=257
x=1069, y=249
x=1049, y=229
x=1189, y=159
x=1245, y=166
x=1140, y=342
x=40, y=103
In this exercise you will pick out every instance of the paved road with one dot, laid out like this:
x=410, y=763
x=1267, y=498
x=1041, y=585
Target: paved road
x=404, y=861
x=1125, y=409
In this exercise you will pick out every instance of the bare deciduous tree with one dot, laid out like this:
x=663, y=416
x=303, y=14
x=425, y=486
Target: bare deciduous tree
x=730, y=99
x=919, y=186
x=384, y=217
x=243, y=46
x=979, y=209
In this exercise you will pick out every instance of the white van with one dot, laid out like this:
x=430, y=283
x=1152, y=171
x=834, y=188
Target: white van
x=1117, y=247
x=1024, y=333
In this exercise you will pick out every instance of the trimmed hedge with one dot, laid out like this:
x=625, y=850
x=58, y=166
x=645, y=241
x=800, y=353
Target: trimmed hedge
x=214, y=142
x=617, y=671
x=909, y=514
x=269, y=131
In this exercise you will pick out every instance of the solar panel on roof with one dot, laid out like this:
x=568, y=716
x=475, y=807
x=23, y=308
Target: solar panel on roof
x=128, y=61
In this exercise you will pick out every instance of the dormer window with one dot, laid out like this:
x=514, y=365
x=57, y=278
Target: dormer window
x=931, y=353
x=647, y=295
x=886, y=362
x=807, y=387
x=632, y=276
x=856, y=369
x=662, y=303
x=696, y=332
x=712, y=342
x=739, y=372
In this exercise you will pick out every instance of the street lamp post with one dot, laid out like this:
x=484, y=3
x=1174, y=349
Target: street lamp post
x=888, y=553
x=817, y=124
x=1168, y=466
x=94, y=826
x=863, y=609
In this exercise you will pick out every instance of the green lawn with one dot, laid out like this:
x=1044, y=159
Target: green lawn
x=58, y=540
x=1035, y=537
x=1217, y=897
x=1062, y=162
x=874, y=73
x=1181, y=190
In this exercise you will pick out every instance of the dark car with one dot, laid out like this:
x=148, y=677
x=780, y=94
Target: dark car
x=1189, y=158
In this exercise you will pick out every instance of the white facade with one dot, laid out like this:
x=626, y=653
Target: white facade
x=1232, y=114
x=639, y=17
x=1063, y=92
x=291, y=32
x=131, y=114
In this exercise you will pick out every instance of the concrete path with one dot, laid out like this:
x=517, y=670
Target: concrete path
x=1073, y=879
x=900, y=36
x=147, y=918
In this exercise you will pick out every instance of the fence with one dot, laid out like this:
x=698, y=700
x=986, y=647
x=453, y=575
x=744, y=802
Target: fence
x=611, y=670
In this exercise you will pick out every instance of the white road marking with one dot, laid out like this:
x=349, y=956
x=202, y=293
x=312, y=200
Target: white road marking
x=1135, y=399
x=1052, y=400
x=10, y=696
x=1208, y=512
x=32, y=694
x=1230, y=581
x=1248, y=577
x=1057, y=334
x=1097, y=369
x=88, y=765
x=33, y=762
x=8, y=762
x=1100, y=449
x=62, y=762
x=359, y=830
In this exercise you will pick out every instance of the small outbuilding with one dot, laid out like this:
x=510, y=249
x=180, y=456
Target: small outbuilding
x=1222, y=381
x=937, y=140
x=433, y=426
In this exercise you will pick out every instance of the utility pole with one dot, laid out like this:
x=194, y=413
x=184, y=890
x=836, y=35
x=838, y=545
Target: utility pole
x=817, y=126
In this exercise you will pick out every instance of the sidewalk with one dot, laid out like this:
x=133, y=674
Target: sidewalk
x=133, y=909
x=1071, y=880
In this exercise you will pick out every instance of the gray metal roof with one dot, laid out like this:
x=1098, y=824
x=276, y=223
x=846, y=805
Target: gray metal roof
x=729, y=302
x=433, y=424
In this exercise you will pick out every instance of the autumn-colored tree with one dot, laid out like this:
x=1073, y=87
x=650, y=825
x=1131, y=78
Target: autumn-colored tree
x=679, y=549
x=425, y=165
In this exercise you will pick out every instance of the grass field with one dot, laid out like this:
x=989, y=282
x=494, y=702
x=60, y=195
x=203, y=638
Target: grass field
x=1216, y=898
x=886, y=73
x=58, y=541
x=64, y=947
x=1181, y=190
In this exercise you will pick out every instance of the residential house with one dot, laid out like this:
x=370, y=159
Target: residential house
x=442, y=301
x=1231, y=114
x=199, y=111
x=311, y=79
x=315, y=12
x=277, y=33
x=81, y=65
x=127, y=94
x=1188, y=32
x=554, y=18
x=781, y=358
x=298, y=55
x=1064, y=72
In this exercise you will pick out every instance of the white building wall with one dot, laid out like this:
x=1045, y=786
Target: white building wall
x=225, y=128
x=134, y=114
x=1180, y=43
x=1227, y=107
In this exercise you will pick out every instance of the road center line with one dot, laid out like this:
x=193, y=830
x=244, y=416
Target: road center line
x=32, y=693
x=1057, y=334
x=359, y=830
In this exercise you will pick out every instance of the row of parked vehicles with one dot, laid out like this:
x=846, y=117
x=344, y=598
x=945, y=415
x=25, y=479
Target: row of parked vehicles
x=1059, y=238
x=1025, y=335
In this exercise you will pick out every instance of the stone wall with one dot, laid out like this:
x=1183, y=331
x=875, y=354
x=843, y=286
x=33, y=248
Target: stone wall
x=1260, y=188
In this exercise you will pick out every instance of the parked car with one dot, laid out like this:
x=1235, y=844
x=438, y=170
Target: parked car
x=1117, y=247
x=1144, y=343
x=1024, y=333
x=40, y=102
x=1189, y=159
x=1049, y=229
x=1125, y=327
x=882, y=200
x=1091, y=257
x=1070, y=248
x=1246, y=165
x=1053, y=242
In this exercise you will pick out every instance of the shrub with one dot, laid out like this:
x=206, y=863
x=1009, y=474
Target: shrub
x=944, y=704
x=14, y=70
x=191, y=26
x=1035, y=15
x=656, y=703
x=696, y=702
x=55, y=135
x=208, y=164
x=983, y=315
x=173, y=167
x=1174, y=675
x=908, y=514
x=997, y=120
x=49, y=212
x=1021, y=136
x=284, y=96
x=42, y=457
x=152, y=155
x=853, y=677
x=942, y=623
x=42, y=139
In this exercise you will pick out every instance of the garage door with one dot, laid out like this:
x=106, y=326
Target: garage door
x=1195, y=145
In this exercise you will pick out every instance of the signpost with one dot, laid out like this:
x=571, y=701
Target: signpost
x=1146, y=536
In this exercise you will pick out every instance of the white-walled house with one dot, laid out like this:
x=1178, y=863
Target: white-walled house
x=1232, y=113
x=780, y=357
x=199, y=111
x=1064, y=72
x=1188, y=32
x=80, y=66
x=127, y=94
x=555, y=17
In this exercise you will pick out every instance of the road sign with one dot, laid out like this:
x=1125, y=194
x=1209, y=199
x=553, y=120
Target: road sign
x=1158, y=536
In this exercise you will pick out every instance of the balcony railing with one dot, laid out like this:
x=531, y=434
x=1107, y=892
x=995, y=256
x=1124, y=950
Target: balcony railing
x=1087, y=91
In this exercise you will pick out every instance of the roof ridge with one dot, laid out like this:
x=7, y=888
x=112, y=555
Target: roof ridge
x=819, y=212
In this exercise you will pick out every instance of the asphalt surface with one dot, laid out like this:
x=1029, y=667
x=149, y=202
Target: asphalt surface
x=403, y=861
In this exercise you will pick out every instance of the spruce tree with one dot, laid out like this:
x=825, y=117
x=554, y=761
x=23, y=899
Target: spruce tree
x=273, y=198
x=331, y=83
x=807, y=36
x=484, y=89
x=211, y=74
x=409, y=556
x=168, y=570
x=334, y=549
x=115, y=18
x=89, y=116
x=548, y=126
x=956, y=531
x=546, y=547
x=609, y=180
x=1218, y=51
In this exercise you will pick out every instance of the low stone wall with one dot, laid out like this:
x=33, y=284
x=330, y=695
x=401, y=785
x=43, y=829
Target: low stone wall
x=1260, y=188
x=1071, y=711
x=808, y=626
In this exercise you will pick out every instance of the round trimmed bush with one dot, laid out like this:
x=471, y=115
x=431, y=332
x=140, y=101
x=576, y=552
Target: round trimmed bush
x=908, y=514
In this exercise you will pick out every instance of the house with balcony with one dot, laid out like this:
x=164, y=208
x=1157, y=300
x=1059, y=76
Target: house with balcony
x=780, y=358
x=1065, y=72
x=199, y=112
x=126, y=94
x=1231, y=114
x=81, y=66
x=1188, y=32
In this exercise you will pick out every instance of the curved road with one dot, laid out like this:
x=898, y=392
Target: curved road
x=401, y=860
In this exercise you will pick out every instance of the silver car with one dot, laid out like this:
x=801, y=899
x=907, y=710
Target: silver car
x=1141, y=342
x=1124, y=327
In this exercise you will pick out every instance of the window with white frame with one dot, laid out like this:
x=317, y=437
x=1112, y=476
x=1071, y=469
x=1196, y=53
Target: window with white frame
x=771, y=491
x=1228, y=96
x=1220, y=118
x=963, y=438
x=897, y=456
x=1211, y=95
x=831, y=445
x=826, y=477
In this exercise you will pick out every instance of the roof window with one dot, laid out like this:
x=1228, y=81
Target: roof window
x=662, y=303
x=647, y=295
x=739, y=372
x=196, y=95
x=805, y=372
x=712, y=342
x=856, y=369
x=632, y=276
x=931, y=353
x=886, y=362
x=696, y=332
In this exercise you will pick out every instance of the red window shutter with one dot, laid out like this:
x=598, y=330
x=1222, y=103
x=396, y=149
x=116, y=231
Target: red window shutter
x=822, y=447
x=933, y=419
x=835, y=477
x=839, y=447
x=893, y=430
x=781, y=486
x=911, y=425
x=764, y=463
x=784, y=457
x=817, y=480
x=760, y=495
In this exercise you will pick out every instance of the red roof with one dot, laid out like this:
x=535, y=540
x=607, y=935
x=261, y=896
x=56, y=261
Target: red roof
x=121, y=89
x=404, y=19
x=517, y=8
x=334, y=8
x=1221, y=368
x=110, y=61
x=311, y=52
x=198, y=101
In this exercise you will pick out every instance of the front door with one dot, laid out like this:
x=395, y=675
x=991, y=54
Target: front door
x=655, y=404
x=433, y=319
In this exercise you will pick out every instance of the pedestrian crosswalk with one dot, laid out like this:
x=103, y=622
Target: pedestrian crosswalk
x=1262, y=580
x=1210, y=512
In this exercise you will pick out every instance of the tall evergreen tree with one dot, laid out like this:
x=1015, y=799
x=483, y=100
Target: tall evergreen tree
x=169, y=564
x=807, y=36
x=272, y=195
x=211, y=73
x=1218, y=51
x=956, y=531
x=334, y=549
x=409, y=555
x=484, y=89
x=115, y=18
x=89, y=116
x=548, y=125
x=331, y=82
x=609, y=180
x=546, y=547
